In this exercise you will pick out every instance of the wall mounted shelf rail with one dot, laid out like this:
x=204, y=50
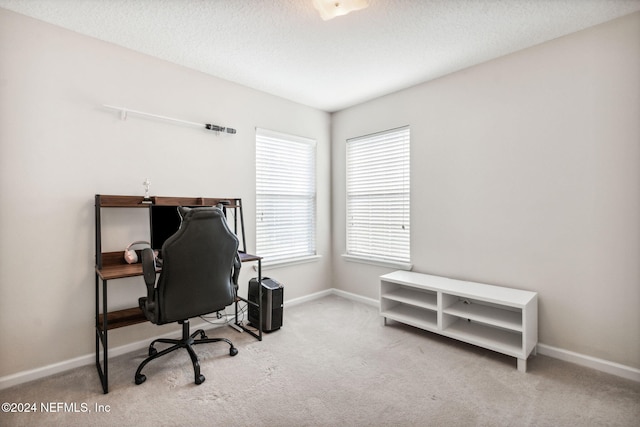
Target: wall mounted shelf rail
x=124, y=112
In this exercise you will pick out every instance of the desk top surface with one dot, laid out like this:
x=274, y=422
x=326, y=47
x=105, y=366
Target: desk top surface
x=114, y=266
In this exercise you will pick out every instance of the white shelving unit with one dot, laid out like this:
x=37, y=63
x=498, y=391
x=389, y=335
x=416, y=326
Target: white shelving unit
x=501, y=319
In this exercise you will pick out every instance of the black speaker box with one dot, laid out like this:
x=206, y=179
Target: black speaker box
x=272, y=303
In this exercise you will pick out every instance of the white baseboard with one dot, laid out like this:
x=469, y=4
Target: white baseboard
x=45, y=371
x=311, y=297
x=590, y=362
x=557, y=353
x=333, y=291
x=88, y=359
x=356, y=297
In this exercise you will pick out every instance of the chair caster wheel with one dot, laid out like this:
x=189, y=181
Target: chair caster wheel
x=152, y=351
x=200, y=379
x=233, y=351
x=140, y=379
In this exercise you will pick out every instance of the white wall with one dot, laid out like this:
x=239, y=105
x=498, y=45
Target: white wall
x=525, y=173
x=59, y=147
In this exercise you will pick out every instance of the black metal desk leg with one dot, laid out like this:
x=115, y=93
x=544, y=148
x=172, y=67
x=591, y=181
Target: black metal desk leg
x=97, y=328
x=101, y=336
x=260, y=300
x=105, y=343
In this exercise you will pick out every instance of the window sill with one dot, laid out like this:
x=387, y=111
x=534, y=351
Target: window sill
x=378, y=262
x=288, y=262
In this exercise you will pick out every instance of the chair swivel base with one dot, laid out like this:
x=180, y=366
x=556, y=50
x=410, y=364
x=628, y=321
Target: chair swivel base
x=187, y=342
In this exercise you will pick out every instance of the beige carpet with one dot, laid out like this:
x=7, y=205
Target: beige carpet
x=333, y=363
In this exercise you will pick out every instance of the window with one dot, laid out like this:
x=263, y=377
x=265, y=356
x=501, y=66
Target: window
x=285, y=197
x=378, y=197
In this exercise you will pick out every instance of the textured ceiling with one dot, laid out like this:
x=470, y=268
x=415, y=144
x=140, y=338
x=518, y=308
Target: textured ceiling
x=283, y=47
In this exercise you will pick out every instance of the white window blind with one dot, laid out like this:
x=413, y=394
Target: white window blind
x=378, y=196
x=285, y=196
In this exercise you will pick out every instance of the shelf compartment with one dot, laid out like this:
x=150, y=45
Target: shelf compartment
x=415, y=297
x=119, y=271
x=111, y=265
x=109, y=201
x=411, y=315
x=120, y=318
x=487, y=314
x=496, y=339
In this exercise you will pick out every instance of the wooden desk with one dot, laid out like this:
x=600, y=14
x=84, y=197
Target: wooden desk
x=112, y=266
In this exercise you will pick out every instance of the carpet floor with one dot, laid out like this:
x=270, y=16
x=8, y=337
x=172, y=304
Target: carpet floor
x=332, y=363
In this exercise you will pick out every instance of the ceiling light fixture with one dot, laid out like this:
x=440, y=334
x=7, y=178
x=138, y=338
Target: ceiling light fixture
x=329, y=9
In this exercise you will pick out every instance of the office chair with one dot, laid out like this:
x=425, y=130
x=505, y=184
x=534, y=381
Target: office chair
x=200, y=267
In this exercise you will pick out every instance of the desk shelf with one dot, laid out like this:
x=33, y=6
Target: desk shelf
x=112, y=266
x=120, y=318
x=115, y=267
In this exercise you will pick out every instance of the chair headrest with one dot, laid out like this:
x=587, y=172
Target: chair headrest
x=186, y=212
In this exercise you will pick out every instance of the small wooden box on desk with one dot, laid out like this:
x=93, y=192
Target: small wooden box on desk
x=112, y=266
x=501, y=319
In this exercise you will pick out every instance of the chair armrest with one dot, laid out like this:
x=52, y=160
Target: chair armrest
x=148, y=304
x=149, y=267
x=237, y=264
